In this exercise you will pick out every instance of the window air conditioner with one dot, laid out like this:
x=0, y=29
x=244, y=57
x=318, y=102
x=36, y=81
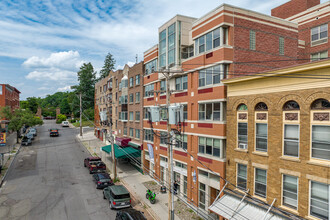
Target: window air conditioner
x=242, y=146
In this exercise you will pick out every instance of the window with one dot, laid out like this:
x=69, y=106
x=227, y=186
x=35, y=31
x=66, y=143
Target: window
x=241, y=176
x=252, y=40
x=137, y=133
x=171, y=44
x=291, y=140
x=137, y=80
x=149, y=68
x=148, y=135
x=180, y=165
x=185, y=112
x=319, y=32
x=131, y=82
x=320, y=104
x=137, y=116
x=281, y=45
x=319, y=56
x=290, y=191
x=163, y=86
x=163, y=113
x=181, y=141
x=162, y=48
x=131, y=98
x=202, y=195
x=123, y=99
x=149, y=90
x=125, y=130
x=181, y=83
x=319, y=200
x=185, y=186
x=260, y=184
x=164, y=139
x=131, y=116
x=242, y=135
x=212, y=75
x=146, y=113
x=291, y=105
x=124, y=116
x=210, y=111
x=261, y=137
x=209, y=146
x=131, y=132
x=208, y=41
x=321, y=142
x=137, y=97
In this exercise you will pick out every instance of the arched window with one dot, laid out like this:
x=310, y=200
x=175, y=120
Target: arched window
x=291, y=105
x=242, y=107
x=261, y=106
x=320, y=104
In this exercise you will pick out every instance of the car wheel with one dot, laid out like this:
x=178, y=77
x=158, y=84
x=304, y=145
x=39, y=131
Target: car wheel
x=147, y=196
x=110, y=205
x=84, y=165
x=90, y=172
x=104, y=196
x=153, y=201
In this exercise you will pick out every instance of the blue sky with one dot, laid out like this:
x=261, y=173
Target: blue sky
x=43, y=43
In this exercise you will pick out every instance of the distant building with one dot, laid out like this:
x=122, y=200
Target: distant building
x=9, y=96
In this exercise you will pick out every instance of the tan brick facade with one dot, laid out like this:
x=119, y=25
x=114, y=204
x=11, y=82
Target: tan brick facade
x=305, y=167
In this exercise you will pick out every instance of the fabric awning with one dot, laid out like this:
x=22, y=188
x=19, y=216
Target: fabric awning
x=227, y=204
x=125, y=152
x=132, y=144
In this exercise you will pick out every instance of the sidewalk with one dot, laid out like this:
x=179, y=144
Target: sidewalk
x=130, y=177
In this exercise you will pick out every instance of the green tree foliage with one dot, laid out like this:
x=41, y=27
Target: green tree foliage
x=60, y=118
x=89, y=114
x=33, y=104
x=19, y=118
x=65, y=107
x=87, y=80
x=109, y=64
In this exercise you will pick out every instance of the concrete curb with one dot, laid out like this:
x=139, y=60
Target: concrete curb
x=11, y=162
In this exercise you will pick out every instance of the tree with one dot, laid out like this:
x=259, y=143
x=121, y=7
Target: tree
x=65, y=107
x=19, y=118
x=60, y=118
x=109, y=64
x=32, y=104
x=87, y=80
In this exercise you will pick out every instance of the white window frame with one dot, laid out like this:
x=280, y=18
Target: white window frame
x=239, y=143
x=318, y=28
x=255, y=137
x=255, y=181
x=284, y=139
x=282, y=195
x=311, y=148
x=237, y=175
x=310, y=198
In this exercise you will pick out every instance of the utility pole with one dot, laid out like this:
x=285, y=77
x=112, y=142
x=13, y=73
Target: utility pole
x=169, y=154
x=80, y=124
x=114, y=161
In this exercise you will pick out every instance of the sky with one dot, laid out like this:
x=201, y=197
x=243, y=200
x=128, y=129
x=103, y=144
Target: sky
x=43, y=43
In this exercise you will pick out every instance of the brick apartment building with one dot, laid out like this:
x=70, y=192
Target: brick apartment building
x=118, y=96
x=313, y=25
x=224, y=43
x=9, y=96
x=278, y=146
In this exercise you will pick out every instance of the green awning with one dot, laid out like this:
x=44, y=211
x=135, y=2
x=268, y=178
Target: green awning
x=125, y=152
x=134, y=145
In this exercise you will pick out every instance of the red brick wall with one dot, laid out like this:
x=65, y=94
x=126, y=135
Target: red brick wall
x=8, y=98
x=293, y=7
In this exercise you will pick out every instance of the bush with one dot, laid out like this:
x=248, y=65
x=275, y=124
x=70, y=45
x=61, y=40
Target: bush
x=60, y=118
x=72, y=120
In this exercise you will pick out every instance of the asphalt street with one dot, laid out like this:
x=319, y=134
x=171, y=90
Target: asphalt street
x=49, y=181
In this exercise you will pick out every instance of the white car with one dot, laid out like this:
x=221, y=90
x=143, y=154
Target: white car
x=65, y=124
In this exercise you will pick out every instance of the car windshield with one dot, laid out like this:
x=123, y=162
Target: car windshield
x=105, y=180
x=137, y=215
x=104, y=176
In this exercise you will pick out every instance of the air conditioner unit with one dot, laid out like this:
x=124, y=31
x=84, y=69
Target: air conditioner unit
x=242, y=146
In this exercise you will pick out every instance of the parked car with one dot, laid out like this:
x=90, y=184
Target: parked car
x=118, y=196
x=65, y=124
x=53, y=132
x=94, y=164
x=30, y=135
x=26, y=141
x=130, y=214
x=33, y=131
x=102, y=180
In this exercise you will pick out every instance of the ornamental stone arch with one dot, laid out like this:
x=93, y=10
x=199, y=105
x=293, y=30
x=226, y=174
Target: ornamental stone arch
x=291, y=97
x=233, y=108
x=251, y=106
x=314, y=96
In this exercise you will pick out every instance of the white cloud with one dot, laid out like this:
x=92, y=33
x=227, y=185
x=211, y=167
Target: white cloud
x=53, y=74
x=64, y=89
x=43, y=88
x=67, y=60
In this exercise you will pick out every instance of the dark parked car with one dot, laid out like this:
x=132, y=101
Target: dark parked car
x=94, y=164
x=26, y=141
x=102, y=180
x=130, y=214
x=53, y=132
x=33, y=131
